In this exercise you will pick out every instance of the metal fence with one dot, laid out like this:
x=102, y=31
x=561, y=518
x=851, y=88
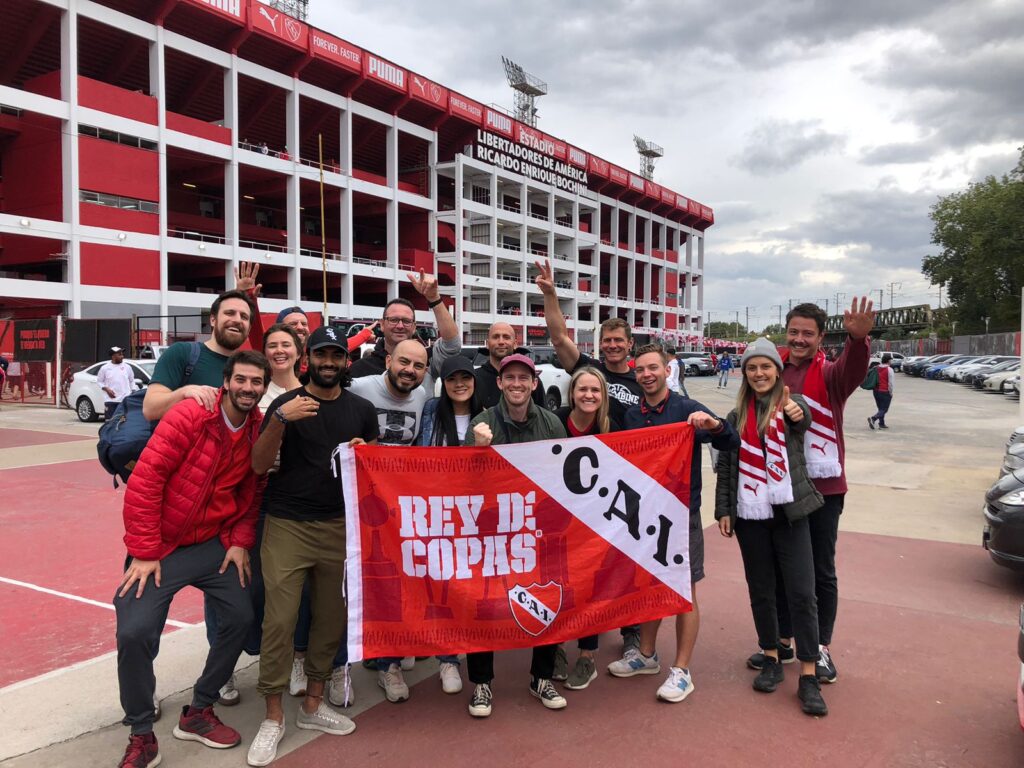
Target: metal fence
x=982, y=344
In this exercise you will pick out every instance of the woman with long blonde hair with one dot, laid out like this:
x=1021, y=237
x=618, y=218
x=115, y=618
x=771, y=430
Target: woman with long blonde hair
x=764, y=496
x=586, y=414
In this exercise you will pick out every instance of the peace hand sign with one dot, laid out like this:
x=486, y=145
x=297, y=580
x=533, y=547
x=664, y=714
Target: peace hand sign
x=858, y=322
x=793, y=411
x=545, y=281
x=245, y=277
x=425, y=285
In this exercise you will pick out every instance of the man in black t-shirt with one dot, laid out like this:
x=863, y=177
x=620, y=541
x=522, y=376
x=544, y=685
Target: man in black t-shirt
x=304, y=534
x=615, y=342
x=501, y=342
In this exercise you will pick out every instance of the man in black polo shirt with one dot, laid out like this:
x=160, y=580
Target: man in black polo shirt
x=304, y=534
x=658, y=407
x=615, y=342
x=501, y=342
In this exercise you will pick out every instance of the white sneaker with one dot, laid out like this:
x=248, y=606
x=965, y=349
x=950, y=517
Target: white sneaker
x=297, y=683
x=229, y=695
x=408, y=662
x=326, y=720
x=451, y=679
x=339, y=690
x=263, y=749
x=393, y=684
x=677, y=687
x=635, y=663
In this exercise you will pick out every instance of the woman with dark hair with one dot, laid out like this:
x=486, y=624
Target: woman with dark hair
x=446, y=418
x=283, y=348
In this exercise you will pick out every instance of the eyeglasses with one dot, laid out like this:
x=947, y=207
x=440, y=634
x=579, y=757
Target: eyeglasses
x=399, y=321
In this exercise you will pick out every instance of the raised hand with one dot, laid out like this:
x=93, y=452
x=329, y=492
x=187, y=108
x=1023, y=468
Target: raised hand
x=545, y=281
x=858, y=321
x=793, y=411
x=425, y=285
x=482, y=435
x=245, y=277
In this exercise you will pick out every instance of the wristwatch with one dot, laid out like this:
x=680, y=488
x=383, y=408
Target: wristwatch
x=279, y=415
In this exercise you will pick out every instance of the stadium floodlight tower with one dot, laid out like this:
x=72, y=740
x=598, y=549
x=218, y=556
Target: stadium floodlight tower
x=298, y=9
x=528, y=88
x=649, y=154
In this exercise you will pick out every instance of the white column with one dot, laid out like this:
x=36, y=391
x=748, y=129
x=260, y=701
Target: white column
x=157, y=88
x=69, y=151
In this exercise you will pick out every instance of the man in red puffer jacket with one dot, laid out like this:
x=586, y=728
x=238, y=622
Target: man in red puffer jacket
x=190, y=513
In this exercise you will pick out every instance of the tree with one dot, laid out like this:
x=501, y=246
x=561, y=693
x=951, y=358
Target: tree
x=722, y=330
x=980, y=232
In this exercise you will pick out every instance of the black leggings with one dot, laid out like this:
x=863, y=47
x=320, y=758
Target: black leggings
x=765, y=545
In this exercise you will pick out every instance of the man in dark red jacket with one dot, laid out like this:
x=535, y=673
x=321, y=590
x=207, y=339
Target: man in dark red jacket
x=190, y=513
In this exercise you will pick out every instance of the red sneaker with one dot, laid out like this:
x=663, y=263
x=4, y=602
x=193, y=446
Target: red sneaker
x=204, y=726
x=142, y=752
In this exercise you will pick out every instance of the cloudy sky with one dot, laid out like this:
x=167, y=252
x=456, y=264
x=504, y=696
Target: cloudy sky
x=819, y=131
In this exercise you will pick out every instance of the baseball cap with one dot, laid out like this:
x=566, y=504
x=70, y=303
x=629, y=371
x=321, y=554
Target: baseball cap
x=517, y=358
x=454, y=364
x=290, y=310
x=325, y=336
x=115, y=349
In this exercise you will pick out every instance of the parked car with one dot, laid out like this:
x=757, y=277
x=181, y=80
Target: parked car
x=87, y=398
x=1020, y=678
x=1011, y=388
x=697, y=363
x=554, y=379
x=916, y=368
x=1003, y=535
x=994, y=382
x=932, y=371
x=954, y=372
x=975, y=378
x=1013, y=459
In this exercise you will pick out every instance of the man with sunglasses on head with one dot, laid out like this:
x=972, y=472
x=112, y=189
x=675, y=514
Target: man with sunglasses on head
x=398, y=324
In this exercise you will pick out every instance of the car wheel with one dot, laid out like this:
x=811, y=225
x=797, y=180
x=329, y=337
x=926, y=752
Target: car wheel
x=692, y=370
x=552, y=399
x=85, y=409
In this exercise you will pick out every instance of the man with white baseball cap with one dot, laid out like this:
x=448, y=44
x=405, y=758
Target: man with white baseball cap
x=116, y=379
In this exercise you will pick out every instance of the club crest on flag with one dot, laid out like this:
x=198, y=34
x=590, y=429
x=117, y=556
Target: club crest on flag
x=534, y=607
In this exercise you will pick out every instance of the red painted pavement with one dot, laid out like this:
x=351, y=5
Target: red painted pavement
x=19, y=438
x=62, y=530
x=925, y=649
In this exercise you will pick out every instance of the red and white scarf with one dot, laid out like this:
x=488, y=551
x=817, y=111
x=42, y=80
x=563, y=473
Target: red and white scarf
x=820, y=448
x=764, y=467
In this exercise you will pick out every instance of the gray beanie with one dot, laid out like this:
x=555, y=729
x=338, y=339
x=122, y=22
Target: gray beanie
x=761, y=347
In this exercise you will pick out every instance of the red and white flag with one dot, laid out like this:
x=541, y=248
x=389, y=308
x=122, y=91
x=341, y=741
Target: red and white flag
x=452, y=550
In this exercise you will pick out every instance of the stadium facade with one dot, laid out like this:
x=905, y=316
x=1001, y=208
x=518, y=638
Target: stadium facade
x=148, y=146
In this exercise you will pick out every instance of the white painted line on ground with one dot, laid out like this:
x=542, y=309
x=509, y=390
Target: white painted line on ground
x=56, y=672
x=77, y=598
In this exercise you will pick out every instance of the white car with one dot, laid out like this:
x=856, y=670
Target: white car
x=996, y=381
x=85, y=396
x=895, y=362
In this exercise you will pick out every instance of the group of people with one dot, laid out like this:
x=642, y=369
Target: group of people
x=238, y=494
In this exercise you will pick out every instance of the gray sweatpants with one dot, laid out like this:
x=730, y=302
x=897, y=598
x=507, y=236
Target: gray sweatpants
x=141, y=620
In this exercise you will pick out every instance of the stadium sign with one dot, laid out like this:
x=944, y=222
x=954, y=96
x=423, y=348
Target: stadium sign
x=530, y=160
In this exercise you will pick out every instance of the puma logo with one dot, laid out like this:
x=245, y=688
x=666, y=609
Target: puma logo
x=749, y=487
x=820, y=448
x=268, y=17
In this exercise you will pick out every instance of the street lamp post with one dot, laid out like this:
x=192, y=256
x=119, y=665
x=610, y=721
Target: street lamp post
x=986, y=319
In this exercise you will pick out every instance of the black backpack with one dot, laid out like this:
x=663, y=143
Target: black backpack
x=125, y=434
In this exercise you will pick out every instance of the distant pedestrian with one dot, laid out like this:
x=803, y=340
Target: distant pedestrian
x=116, y=379
x=724, y=368
x=879, y=381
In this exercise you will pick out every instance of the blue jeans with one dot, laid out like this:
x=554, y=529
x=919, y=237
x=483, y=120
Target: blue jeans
x=723, y=377
x=883, y=400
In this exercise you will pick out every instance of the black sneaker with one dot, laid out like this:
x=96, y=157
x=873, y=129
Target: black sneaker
x=770, y=676
x=871, y=421
x=809, y=693
x=786, y=655
x=882, y=426
x=547, y=693
x=561, y=671
x=825, y=668
x=480, y=704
